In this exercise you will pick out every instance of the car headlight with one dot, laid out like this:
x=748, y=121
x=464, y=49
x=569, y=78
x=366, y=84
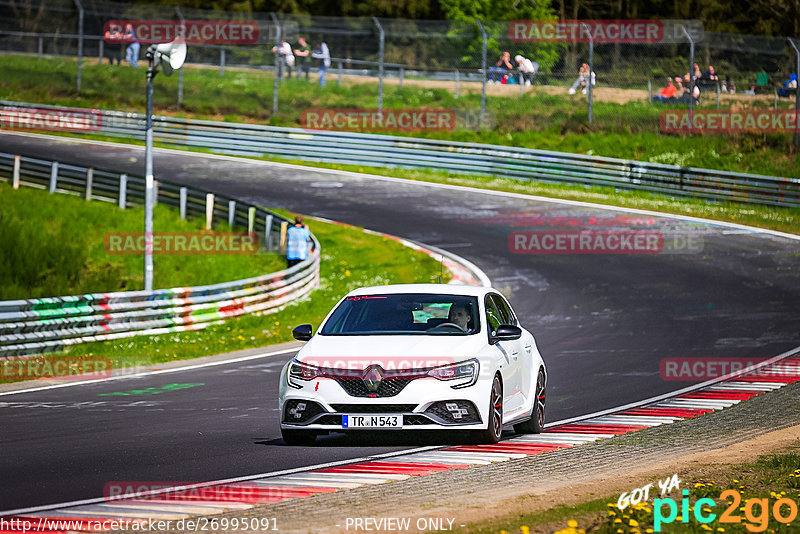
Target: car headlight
x=466, y=372
x=299, y=371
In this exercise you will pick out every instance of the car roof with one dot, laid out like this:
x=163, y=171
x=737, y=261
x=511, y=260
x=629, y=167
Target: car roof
x=433, y=289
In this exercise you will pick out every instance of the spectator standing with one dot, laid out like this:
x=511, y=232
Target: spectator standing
x=710, y=77
x=322, y=54
x=501, y=68
x=584, y=77
x=527, y=68
x=302, y=53
x=284, y=50
x=132, y=52
x=113, y=47
x=667, y=94
x=298, y=242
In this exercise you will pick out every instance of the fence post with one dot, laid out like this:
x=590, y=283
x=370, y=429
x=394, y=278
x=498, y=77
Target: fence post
x=251, y=219
x=796, y=95
x=53, y=176
x=184, y=197
x=89, y=180
x=339, y=80
x=231, y=212
x=775, y=99
x=402, y=74
x=284, y=229
x=209, y=210
x=80, y=41
x=155, y=192
x=221, y=61
x=277, y=61
x=268, y=232
x=691, y=74
x=15, y=175
x=41, y=47
x=380, y=63
x=100, y=45
x=649, y=91
x=456, y=94
x=123, y=191
x=717, y=94
x=180, y=70
x=484, y=51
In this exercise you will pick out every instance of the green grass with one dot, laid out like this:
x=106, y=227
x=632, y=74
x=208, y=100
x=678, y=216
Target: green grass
x=535, y=120
x=769, y=477
x=53, y=245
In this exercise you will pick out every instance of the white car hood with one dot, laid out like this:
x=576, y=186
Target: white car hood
x=390, y=352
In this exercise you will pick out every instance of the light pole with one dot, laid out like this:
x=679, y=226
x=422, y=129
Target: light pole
x=169, y=56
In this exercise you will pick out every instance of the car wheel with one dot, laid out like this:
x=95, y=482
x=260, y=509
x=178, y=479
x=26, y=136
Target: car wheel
x=298, y=437
x=535, y=425
x=495, y=429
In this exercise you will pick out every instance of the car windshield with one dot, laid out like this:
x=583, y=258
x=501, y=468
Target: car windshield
x=404, y=314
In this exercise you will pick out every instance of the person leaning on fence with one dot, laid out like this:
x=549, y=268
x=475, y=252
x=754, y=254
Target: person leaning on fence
x=667, y=94
x=284, y=50
x=527, y=68
x=132, y=52
x=501, y=69
x=298, y=242
x=322, y=54
x=302, y=53
x=113, y=45
x=583, y=79
x=683, y=91
x=710, y=77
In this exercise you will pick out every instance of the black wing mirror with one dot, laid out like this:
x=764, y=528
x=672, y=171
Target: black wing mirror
x=302, y=332
x=507, y=332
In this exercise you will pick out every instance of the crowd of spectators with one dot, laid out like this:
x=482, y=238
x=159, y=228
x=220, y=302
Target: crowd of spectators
x=521, y=70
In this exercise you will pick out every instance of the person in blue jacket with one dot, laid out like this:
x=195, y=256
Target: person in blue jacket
x=298, y=242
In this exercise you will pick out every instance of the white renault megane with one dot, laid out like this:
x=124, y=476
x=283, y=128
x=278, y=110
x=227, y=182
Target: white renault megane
x=414, y=357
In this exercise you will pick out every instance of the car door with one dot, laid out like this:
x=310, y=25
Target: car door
x=525, y=344
x=509, y=353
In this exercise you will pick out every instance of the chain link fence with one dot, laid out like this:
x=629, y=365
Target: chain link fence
x=459, y=65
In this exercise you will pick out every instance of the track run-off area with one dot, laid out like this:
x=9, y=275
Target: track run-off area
x=609, y=325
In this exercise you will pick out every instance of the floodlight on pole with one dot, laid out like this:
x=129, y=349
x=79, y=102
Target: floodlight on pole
x=168, y=56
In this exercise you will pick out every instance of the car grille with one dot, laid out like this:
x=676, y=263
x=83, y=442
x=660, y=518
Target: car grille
x=329, y=420
x=389, y=387
x=374, y=408
x=455, y=412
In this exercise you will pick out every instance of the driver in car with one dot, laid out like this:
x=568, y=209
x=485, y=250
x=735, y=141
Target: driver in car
x=459, y=315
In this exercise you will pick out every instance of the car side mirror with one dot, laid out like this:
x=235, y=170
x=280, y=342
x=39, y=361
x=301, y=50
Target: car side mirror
x=302, y=332
x=506, y=332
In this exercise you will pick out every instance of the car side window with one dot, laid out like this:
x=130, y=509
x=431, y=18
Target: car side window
x=493, y=317
x=506, y=314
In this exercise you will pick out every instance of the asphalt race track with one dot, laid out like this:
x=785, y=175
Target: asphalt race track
x=603, y=322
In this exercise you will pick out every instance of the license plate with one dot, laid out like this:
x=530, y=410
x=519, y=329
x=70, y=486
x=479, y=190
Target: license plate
x=372, y=421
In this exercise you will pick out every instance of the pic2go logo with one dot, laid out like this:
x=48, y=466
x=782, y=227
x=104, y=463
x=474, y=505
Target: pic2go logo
x=756, y=511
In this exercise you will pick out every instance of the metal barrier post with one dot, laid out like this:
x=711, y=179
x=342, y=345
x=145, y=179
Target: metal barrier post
x=649, y=91
x=251, y=219
x=717, y=94
x=339, y=80
x=123, y=191
x=89, y=180
x=221, y=61
x=380, y=63
x=521, y=83
x=775, y=99
x=155, y=192
x=209, y=210
x=268, y=232
x=80, y=41
x=53, y=176
x=796, y=94
x=231, y=212
x=402, y=74
x=183, y=194
x=691, y=75
x=148, y=182
x=277, y=62
x=15, y=174
x=484, y=51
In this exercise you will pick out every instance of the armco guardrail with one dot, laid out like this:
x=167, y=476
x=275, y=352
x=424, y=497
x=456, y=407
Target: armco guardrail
x=34, y=326
x=395, y=151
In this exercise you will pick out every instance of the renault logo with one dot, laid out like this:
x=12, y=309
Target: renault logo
x=372, y=377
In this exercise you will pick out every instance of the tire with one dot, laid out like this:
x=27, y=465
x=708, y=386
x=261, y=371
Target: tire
x=298, y=437
x=494, y=430
x=535, y=425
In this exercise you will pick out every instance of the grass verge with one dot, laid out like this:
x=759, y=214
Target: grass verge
x=750, y=492
x=54, y=245
x=536, y=119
